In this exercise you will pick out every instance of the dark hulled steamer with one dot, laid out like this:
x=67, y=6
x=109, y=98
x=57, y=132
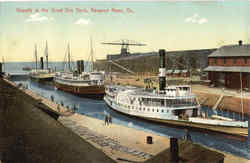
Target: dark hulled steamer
x=81, y=83
x=42, y=74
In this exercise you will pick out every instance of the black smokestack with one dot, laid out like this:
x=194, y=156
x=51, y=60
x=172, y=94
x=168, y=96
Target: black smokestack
x=1, y=70
x=41, y=61
x=162, y=70
x=174, y=149
x=240, y=42
x=80, y=66
x=1, y=67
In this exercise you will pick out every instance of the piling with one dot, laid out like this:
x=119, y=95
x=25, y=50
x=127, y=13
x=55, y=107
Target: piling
x=149, y=140
x=162, y=70
x=41, y=62
x=248, y=132
x=174, y=150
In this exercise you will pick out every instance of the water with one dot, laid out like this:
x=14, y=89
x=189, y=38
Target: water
x=17, y=67
x=97, y=109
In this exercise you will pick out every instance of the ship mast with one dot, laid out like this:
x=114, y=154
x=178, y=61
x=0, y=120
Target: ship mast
x=92, y=56
x=69, y=58
x=3, y=64
x=46, y=54
x=36, y=55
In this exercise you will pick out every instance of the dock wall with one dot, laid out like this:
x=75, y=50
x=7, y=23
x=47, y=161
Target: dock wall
x=144, y=63
x=228, y=103
x=27, y=134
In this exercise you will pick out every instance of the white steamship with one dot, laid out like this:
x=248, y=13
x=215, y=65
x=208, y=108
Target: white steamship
x=175, y=105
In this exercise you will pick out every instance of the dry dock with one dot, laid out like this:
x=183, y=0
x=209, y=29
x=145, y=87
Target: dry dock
x=54, y=140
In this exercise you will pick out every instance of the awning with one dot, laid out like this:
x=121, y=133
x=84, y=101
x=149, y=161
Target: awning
x=228, y=69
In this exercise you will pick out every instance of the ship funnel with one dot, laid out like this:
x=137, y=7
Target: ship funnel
x=41, y=62
x=1, y=69
x=80, y=66
x=162, y=70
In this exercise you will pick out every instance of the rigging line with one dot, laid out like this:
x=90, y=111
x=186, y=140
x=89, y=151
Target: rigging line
x=46, y=54
x=36, y=55
x=65, y=59
x=91, y=54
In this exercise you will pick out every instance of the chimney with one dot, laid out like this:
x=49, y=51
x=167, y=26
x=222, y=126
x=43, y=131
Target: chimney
x=80, y=66
x=1, y=69
x=41, y=62
x=174, y=150
x=240, y=42
x=162, y=70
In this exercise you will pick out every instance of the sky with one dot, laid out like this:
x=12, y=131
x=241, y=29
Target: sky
x=178, y=25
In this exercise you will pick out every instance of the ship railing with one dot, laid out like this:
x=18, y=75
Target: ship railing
x=190, y=96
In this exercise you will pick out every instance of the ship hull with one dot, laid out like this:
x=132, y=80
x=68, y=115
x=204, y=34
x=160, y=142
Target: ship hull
x=95, y=91
x=238, y=131
x=41, y=79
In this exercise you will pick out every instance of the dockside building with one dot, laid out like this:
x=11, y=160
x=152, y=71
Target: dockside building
x=229, y=66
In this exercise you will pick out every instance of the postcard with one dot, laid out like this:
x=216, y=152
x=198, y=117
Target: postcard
x=125, y=81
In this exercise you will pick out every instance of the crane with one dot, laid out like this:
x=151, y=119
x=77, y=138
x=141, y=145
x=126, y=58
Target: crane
x=120, y=66
x=124, y=45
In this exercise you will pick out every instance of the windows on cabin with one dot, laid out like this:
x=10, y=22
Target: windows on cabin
x=234, y=61
x=245, y=60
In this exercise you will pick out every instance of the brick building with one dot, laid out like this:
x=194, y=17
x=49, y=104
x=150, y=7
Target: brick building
x=230, y=65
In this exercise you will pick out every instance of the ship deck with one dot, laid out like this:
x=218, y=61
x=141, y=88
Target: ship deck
x=134, y=91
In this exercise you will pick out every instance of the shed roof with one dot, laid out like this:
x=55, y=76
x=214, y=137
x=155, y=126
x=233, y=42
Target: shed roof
x=228, y=69
x=232, y=51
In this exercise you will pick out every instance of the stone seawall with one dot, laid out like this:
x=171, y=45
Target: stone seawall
x=150, y=63
x=27, y=134
x=228, y=103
